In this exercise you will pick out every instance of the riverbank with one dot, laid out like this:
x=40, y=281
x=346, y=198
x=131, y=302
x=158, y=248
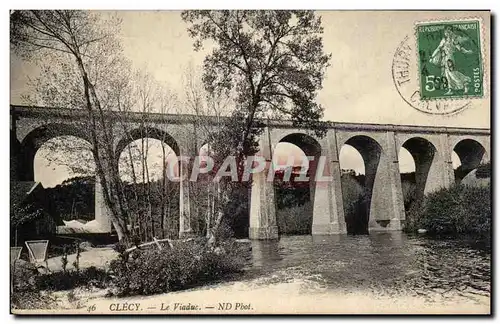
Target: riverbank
x=458, y=210
x=278, y=293
x=377, y=273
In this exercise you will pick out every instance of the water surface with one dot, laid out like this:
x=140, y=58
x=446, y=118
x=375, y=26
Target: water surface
x=380, y=263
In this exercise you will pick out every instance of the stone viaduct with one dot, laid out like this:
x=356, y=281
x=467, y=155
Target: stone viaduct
x=378, y=144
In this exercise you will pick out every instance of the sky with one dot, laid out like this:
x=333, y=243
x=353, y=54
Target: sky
x=358, y=86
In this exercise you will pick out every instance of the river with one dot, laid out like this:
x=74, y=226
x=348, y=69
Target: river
x=388, y=273
x=387, y=264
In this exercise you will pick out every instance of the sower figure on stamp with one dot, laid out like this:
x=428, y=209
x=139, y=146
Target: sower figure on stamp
x=443, y=56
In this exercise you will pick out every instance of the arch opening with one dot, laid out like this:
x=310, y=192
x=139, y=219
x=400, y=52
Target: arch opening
x=149, y=168
x=359, y=158
x=60, y=158
x=79, y=142
x=294, y=197
x=414, y=179
x=470, y=154
x=66, y=169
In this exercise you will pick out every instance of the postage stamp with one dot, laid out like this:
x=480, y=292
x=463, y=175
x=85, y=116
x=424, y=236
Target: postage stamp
x=405, y=76
x=450, y=60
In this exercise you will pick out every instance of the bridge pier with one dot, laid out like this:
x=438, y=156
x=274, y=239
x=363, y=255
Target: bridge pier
x=328, y=210
x=185, y=229
x=387, y=211
x=262, y=209
x=263, y=225
x=102, y=212
x=396, y=191
x=441, y=174
x=448, y=174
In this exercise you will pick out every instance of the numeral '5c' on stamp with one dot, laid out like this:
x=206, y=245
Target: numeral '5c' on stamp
x=450, y=62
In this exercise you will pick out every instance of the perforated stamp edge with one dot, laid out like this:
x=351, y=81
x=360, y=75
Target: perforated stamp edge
x=485, y=61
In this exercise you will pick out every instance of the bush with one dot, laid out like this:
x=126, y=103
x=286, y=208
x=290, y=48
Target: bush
x=29, y=287
x=295, y=220
x=89, y=277
x=30, y=300
x=151, y=271
x=414, y=216
x=26, y=278
x=23, y=275
x=409, y=194
x=456, y=210
x=287, y=197
x=484, y=171
x=356, y=204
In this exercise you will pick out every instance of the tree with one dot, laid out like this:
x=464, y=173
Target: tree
x=21, y=213
x=274, y=63
x=273, y=59
x=82, y=44
x=103, y=85
x=209, y=111
x=147, y=96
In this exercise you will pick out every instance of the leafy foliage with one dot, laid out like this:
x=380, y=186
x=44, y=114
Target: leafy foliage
x=29, y=287
x=295, y=219
x=62, y=280
x=88, y=277
x=74, y=198
x=409, y=193
x=356, y=204
x=154, y=215
x=31, y=300
x=273, y=59
x=456, y=210
x=151, y=271
x=287, y=197
x=484, y=170
x=21, y=213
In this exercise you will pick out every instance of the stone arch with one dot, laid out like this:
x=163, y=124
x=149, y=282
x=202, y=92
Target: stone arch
x=180, y=188
x=306, y=143
x=423, y=153
x=371, y=152
x=146, y=132
x=310, y=147
x=36, y=138
x=471, y=153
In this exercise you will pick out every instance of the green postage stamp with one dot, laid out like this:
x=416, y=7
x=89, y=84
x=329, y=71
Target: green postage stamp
x=450, y=62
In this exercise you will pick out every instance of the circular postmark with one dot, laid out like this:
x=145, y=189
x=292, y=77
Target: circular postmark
x=405, y=77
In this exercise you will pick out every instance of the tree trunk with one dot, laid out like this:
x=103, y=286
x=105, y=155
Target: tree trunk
x=163, y=191
x=212, y=238
x=104, y=156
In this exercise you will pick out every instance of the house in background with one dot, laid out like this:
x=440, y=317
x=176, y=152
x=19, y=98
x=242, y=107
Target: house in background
x=32, y=215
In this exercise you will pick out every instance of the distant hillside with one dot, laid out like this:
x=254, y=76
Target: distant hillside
x=74, y=198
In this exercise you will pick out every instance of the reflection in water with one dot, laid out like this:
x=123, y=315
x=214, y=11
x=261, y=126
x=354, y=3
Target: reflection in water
x=382, y=262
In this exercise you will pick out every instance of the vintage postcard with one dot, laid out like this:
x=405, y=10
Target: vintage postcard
x=250, y=162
